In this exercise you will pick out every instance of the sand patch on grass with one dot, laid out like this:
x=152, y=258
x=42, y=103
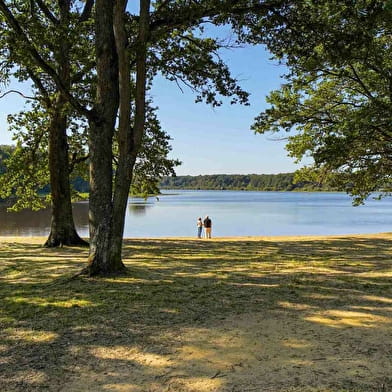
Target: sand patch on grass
x=275, y=352
x=265, y=351
x=229, y=315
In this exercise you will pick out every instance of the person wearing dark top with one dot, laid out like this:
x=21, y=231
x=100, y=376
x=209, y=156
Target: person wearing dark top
x=207, y=226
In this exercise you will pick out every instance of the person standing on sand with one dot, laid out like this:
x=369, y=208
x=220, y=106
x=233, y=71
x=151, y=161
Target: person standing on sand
x=199, y=227
x=208, y=226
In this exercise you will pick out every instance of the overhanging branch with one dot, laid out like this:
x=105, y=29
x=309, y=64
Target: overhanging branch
x=17, y=92
x=23, y=38
x=47, y=12
x=191, y=14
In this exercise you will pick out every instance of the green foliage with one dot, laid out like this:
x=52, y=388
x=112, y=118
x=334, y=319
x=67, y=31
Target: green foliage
x=194, y=62
x=57, y=43
x=179, y=49
x=25, y=170
x=250, y=182
x=152, y=161
x=337, y=97
x=5, y=152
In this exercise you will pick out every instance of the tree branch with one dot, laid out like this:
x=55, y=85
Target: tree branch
x=361, y=83
x=162, y=5
x=177, y=78
x=17, y=92
x=47, y=12
x=14, y=24
x=190, y=14
x=354, y=78
x=75, y=160
x=141, y=72
x=86, y=11
x=40, y=86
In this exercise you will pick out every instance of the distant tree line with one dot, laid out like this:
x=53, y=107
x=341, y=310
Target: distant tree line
x=251, y=182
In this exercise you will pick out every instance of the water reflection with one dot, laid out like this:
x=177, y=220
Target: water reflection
x=26, y=222
x=138, y=208
x=37, y=223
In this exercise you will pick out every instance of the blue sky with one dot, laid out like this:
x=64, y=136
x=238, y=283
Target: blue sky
x=219, y=140
x=210, y=140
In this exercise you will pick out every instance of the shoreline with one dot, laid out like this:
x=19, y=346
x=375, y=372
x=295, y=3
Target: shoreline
x=223, y=239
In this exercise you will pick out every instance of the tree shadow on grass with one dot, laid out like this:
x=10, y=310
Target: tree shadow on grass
x=200, y=316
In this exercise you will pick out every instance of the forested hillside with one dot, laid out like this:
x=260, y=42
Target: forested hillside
x=260, y=182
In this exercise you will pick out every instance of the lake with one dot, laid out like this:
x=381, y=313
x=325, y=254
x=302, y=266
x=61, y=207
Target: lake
x=233, y=213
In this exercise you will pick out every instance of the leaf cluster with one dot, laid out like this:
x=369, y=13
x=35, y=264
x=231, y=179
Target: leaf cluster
x=26, y=175
x=338, y=94
x=153, y=161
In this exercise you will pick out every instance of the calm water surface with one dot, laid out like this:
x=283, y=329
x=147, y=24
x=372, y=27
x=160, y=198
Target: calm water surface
x=233, y=213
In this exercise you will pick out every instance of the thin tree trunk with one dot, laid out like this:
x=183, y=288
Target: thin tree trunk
x=100, y=143
x=125, y=142
x=62, y=230
x=129, y=138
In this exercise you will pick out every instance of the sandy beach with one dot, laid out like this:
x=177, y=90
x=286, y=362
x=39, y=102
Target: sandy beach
x=229, y=314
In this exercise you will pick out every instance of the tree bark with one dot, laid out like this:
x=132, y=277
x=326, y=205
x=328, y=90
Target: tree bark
x=62, y=230
x=125, y=143
x=129, y=138
x=101, y=133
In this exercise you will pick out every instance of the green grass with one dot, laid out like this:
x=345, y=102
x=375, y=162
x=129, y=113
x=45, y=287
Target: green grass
x=195, y=315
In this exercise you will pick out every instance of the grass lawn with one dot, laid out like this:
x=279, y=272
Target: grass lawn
x=228, y=315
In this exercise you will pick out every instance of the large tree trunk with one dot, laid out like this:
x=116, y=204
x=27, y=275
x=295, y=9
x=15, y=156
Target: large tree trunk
x=100, y=143
x=107, y=214
x=129, y=139
x=62, y=230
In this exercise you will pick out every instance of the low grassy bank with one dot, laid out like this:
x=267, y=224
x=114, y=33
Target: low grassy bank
x=240, y=314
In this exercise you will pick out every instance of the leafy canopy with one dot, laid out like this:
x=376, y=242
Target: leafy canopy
x=337, y=97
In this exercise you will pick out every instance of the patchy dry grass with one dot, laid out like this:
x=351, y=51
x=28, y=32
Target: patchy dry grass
x=238, y=315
